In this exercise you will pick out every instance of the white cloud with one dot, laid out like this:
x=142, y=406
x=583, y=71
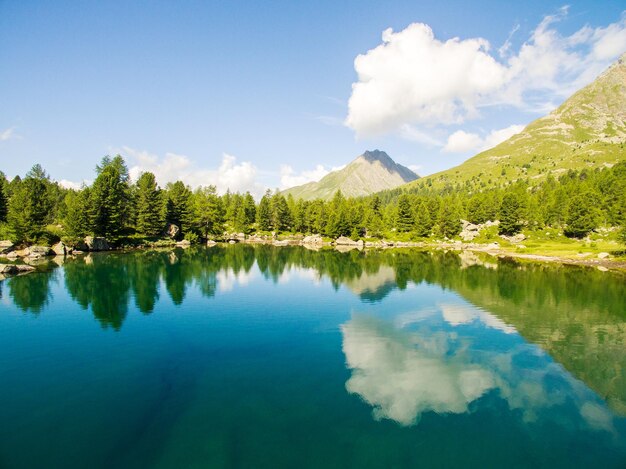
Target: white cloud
x=8, y=134
x=73, y=184
x=463, y=142
x=238, y=177
x=498, y=136
x=415, y=79
x=289, y=178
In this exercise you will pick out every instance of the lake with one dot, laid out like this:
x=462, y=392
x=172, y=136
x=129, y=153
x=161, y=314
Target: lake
x=260, y=356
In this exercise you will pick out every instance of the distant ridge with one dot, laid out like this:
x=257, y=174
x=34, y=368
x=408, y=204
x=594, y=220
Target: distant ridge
x=587, y=131
x=371, y=172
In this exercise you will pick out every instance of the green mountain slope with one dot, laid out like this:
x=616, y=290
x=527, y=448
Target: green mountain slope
x=373, y=171
x=586, y=131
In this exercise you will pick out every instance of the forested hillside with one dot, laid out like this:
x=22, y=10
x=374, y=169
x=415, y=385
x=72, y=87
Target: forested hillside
x=36, y=210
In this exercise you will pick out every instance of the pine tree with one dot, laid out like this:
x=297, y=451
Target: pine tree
x=29, y=207
x=510, y=214
x=264, y=212
x=4, y=203
x=423, y=222
x=209, y=211
x=149, y=206
x=281, y=215
x=179, y=210
x=78, y=215
x=448, y=221
x=405, y=219
x=249, y=208
x=582, y=215
x=108, y=197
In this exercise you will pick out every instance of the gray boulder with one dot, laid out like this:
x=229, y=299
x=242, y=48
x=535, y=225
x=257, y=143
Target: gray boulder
x=313, y=239
x=345, y=241
x=95, y=243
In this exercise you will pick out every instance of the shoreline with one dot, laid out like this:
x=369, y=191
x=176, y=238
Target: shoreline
x=344, y=245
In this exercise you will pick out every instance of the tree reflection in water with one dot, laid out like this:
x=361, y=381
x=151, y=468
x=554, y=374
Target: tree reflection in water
x=577, y=315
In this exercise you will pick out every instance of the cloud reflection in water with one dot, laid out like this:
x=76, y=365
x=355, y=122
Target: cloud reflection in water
x=443, y=359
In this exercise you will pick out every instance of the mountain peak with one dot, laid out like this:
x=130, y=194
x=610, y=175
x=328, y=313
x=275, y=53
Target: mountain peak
x=371, y=172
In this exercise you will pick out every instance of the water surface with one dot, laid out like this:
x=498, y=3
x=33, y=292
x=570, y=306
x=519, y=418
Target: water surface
x=254, y=356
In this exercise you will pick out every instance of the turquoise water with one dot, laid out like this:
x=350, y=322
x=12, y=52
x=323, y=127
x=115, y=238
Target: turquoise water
x=245, y=356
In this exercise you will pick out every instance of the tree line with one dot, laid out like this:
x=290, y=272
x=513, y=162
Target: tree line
x=36, y=209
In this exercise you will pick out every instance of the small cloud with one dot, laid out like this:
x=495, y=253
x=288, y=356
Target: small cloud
x=464, y=142
x=74, y=185
x=9, y=134
x=504, y=50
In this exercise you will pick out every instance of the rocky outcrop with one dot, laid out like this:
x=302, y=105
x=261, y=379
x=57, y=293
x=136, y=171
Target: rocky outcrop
x=34, y=252
x=60, y=249
x=471, y=230
x=95, y=243
x=185, y=243
x=6, y=246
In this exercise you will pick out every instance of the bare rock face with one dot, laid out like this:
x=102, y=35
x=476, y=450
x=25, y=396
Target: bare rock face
x=95, y=243
x=172, y=230
x=185, y=243
x=604, y=255
x=6, y=246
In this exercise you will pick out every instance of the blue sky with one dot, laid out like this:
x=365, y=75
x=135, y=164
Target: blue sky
x=250, y=95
